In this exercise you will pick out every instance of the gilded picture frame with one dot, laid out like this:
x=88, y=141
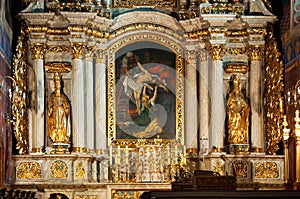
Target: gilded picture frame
x=137, y=45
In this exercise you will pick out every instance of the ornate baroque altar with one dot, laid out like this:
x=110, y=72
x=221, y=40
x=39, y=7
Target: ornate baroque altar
x=116, y=97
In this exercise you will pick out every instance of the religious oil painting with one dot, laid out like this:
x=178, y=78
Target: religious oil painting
x=145, y=94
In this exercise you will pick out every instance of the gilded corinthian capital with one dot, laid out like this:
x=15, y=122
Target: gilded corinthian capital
x=37, y=51
x=256, y=53
x=216, y=51
x=77, y=50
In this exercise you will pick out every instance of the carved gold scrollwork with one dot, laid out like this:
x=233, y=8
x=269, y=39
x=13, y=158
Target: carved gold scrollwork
x=118, y=194
x=134, y=3
x=37, y=51
x=78, y=50
x=241, y=168
x=217, y=51
x=59, y=169
x=266, y=170
x=19, y=105
x=256, y=53
x=29, y=170
x=58, y=49
x=273, y=94
x=235, y=51
x=100, y=56
x=79, y=170
x=218, y=166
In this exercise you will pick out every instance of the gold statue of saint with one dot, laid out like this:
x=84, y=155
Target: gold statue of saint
x=58, y=114
x=238, y=114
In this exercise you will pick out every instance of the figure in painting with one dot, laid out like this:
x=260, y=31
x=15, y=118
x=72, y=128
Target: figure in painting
x=238, y=114
x=58, y=114
x=133, y=84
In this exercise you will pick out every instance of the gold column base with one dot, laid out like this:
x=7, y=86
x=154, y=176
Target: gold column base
x=36, y=150
x=257, y=150
x=79, y=150
x=217, y=150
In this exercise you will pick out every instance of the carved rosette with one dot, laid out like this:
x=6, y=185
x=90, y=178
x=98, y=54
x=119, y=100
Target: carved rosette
x=273, y=95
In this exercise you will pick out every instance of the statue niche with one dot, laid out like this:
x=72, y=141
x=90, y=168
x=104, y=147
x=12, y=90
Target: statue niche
x=58, y=114
x=238, y=118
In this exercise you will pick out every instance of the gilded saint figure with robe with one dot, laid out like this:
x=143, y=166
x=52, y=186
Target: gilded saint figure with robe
x=58, y=114
x=238, y=114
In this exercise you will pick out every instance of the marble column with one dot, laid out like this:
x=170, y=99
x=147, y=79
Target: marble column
x=89, y=97
x=203, y=103
x=37, y=117
x=255, y=79
x=217, y=97
x=100, y=86
x=191, y=102
x=78, y=99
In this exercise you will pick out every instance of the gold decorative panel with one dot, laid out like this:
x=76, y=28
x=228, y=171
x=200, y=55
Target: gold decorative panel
x=128, y=194
x=59, y=169
x=266, y=170
x=134, y=3
x=79, y=170
x=29, y=170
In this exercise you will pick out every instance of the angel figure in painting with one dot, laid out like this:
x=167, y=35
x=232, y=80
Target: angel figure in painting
x=238, y=114
x=58, y=114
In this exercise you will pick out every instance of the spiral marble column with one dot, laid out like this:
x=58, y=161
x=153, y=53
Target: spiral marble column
x=100, y=86
x=255, y=79
x=78, y=99
x=217, y=114
x=37, y=116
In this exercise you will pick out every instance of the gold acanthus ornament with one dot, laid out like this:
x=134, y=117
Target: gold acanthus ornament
x=238, y=114
x=59, y=128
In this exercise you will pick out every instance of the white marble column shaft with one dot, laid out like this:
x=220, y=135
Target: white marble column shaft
x=191, y=103
x=203, y=104
x=257, y=138
x=78, y=103
x=217, y=114
x=89, y=83
x=100, y=85
x=38, y=118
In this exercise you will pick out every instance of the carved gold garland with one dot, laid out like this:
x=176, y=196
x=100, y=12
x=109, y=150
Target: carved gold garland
x=111, y=101
x=273, y=95
x=19, y=105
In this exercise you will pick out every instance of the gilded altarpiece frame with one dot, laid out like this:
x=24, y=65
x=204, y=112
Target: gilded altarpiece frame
x=173, y=47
